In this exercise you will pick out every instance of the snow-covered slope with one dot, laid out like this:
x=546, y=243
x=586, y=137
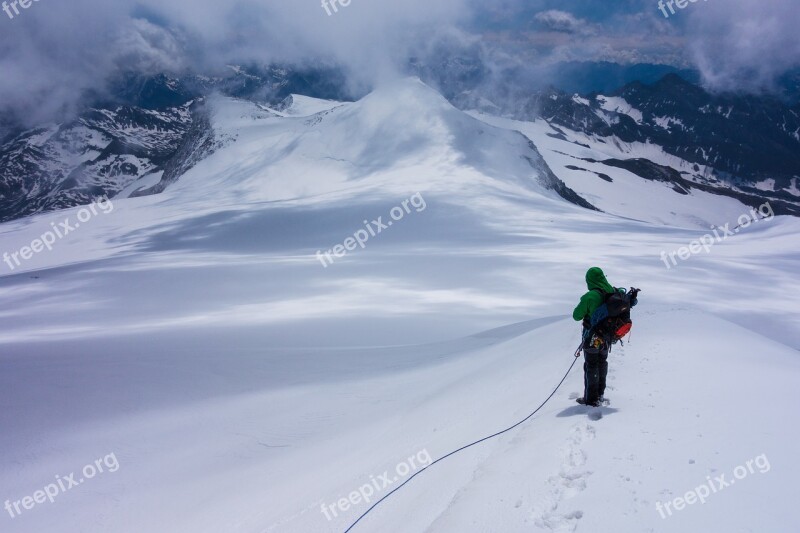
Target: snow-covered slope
x=102, y=152
x=406, y=127
x=298, y=105
x=739, y=140
x=581, y=161
x=241, y=384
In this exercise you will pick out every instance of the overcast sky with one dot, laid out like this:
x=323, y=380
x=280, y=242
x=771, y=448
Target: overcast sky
x=53, y=51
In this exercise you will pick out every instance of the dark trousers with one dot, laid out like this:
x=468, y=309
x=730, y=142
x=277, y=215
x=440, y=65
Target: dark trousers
x=595, y=370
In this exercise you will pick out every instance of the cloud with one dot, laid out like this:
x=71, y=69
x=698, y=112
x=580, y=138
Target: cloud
x=744, y=44
x=562, y=21
x=55, y=51
x=621, y=36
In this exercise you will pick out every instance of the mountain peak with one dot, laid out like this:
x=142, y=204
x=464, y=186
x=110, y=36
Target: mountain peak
x=404, y=93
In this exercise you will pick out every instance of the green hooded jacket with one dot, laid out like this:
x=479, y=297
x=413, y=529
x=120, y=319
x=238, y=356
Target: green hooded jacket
x=595, y=279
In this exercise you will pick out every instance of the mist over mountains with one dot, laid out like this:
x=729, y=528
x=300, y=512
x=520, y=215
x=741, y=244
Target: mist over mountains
x=146, y=125
x=264, y=254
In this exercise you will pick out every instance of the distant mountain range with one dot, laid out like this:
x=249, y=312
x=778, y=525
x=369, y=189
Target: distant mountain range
x=100, y=153
x=147, y=131
x=143, y=134
x=750, y=141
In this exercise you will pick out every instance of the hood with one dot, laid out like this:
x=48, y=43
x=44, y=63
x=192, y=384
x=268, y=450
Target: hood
x=595, y=279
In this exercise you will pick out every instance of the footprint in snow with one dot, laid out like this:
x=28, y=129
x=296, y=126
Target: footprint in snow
x=570, y=481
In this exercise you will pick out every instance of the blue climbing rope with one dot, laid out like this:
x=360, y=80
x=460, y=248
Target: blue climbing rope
x=374, y=505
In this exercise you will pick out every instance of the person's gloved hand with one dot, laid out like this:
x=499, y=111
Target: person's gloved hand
x=634, y=296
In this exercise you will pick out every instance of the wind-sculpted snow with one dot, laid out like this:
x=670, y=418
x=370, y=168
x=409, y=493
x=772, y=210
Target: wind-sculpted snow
x=194, y=335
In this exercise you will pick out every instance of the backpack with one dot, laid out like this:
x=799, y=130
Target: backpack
x=612, y=320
